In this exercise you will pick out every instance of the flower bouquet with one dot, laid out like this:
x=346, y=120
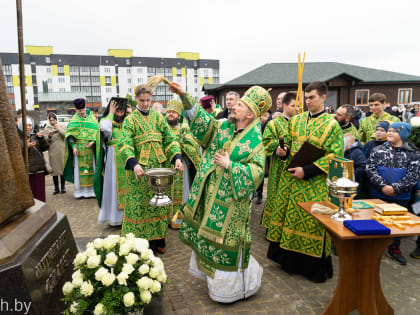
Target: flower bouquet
x=115, y=275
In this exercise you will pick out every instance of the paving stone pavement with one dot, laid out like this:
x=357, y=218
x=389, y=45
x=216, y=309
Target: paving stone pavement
x=280, y=292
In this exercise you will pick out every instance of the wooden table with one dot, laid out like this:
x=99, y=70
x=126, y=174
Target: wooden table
x=359, y=285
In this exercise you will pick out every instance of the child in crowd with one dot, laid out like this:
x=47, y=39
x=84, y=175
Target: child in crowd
x=380, y=135
x=393, y=170
x=353, y=150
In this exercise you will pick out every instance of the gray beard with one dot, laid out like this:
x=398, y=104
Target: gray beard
x=232, y=120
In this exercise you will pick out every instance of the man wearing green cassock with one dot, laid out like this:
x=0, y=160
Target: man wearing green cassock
x=217, y=214
x=191, y=157
x=110, y=179
x=368, y=125
x=299, y=242
x=276, y=129
x=148, y=142
x=344, y=115
x=79, y=156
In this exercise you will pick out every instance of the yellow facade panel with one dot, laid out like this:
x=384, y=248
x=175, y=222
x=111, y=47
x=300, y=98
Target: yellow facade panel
x=15, y=80
x=174, y=72
x=121, y=53
x=113, y=81
x=28, y=80
x=66, y=70
x=188, y=55
x=39, y=50
x=183, y=72
x=102, y=79
x=211, y=80
x=201, y=81
x=36, y=106
x=54, y=70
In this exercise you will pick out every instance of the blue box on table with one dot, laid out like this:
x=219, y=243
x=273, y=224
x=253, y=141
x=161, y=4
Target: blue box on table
x=366, y=227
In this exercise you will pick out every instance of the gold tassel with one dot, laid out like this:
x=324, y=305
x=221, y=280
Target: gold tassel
x=299, y=96
x=175, y=217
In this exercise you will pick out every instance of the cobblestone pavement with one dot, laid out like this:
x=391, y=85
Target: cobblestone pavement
x=280, y=292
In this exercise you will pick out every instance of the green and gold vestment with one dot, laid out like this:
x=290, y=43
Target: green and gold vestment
x=83, y=130
x=351, y=130
x=291, y=226
x=150, y=140
x=368, y=125
x=217, y=214
x=274, y=130
x=120, y=175
x=190, y=150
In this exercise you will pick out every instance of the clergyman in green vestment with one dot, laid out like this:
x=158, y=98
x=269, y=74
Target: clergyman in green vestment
x=110, y=180
x=298, y=242
x=217, y=214
x=191, y=157
x=368, y=125
x=276, y=129
x=148, y=142
x=79, y=156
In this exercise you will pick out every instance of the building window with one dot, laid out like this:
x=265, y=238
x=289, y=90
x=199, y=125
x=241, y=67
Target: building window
x=362, y=97
x=127, y=61
x=60, y=69
x=206, y=73
x=108, y=90
x=48, y=69
x=62, y=89
x=139, y=70
x=129, y=81
x=10, y=90
x=107, y=69
x=7, y=69
x=404, y=96
x=49, y=80
x=128, y=71
x=108, y=80
x=60, y=80
x=47, y=59
x=130, y=90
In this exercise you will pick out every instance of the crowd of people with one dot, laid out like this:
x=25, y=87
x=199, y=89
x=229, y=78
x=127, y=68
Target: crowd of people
x=220, y=157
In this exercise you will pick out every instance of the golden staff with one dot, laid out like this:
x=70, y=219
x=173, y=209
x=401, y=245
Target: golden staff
x=299, y=95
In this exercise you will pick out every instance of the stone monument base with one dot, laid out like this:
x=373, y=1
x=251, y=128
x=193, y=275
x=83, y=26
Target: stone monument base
x=37, y=249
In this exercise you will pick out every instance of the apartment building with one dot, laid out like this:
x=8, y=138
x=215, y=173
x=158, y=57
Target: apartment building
x=101, y=77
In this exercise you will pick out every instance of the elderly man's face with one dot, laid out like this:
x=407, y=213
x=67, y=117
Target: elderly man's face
x=279, y=101
x=231, y=100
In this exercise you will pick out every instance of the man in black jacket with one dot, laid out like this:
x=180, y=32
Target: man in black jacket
x=232, y=98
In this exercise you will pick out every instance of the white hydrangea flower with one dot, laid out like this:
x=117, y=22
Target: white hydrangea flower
x=73, y=307
x=86, y=289
x=80, y=259
x=100, y=273
x=111, y=259
x=162, y=277
x=128, y=269
x=145, y=296
x=154, y=272
x=129, y=299
x=132, y=258
x=141, y=245
x=122, y=278
x=98, y=243
x=67, y=288
x=99, y=309
x=144, y=269
x=108, y=279
x=155, y=288
x=144, y=283
x=77, y=275
x=90, y=252
x=124, y=249
x=93, y=261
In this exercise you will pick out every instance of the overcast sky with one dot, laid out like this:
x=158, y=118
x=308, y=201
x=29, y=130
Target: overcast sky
x=242, y=34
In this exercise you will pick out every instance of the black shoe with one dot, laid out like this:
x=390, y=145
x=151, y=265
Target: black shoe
x=416, y=253
x=395, y=253
x=56, y=192
x=63, y=190
x=259, y=200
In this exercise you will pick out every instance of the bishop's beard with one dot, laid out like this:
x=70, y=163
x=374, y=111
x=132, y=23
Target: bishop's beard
x=172, y=122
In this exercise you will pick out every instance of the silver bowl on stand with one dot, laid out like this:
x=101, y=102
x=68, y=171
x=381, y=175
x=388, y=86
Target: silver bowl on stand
x=160, y=179
x=342, y=188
